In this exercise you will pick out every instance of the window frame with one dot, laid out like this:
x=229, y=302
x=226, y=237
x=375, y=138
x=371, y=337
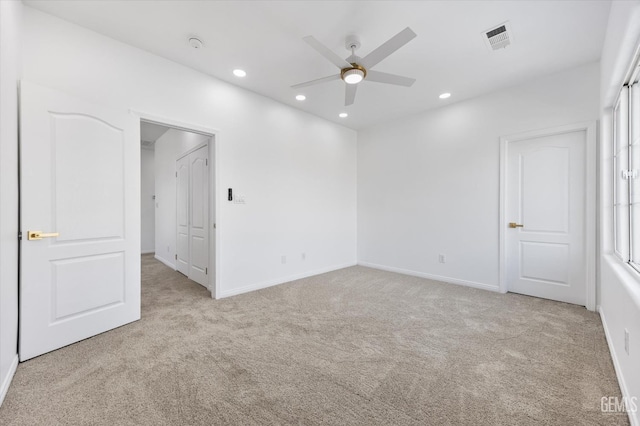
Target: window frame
x=634, y=182
x=626, y=126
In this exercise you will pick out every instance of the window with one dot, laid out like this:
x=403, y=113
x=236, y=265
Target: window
x=626, y=166
x=634, y=164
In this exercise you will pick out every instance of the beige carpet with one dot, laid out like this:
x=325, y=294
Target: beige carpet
x=355, y=346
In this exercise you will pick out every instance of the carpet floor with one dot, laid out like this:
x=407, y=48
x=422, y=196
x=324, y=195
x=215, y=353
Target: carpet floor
x=356, y=346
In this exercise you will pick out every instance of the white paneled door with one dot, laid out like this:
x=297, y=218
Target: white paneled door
x=192, y=173
x=79, y=213
x=182, y=215
x=545, y=215
x=199, y=215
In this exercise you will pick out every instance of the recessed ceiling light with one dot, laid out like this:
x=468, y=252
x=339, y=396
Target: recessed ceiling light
x=301, y=97
x=239, y=73
x=343, y=115
x=445, y=95
x=196, y=43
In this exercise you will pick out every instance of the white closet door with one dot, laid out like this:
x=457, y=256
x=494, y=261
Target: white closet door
x=199, y=216
x=182, y=216
x=192, y=198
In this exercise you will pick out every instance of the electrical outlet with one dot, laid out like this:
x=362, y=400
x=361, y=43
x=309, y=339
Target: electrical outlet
x=442, y=258
x=303, y=256
x=284, y=259
x=626, y=341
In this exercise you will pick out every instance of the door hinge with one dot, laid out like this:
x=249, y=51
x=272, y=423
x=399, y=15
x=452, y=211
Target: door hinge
x=214, y=226
x=629, y=174
x=20, y=236
x=176, y=174
x=206, y=162
x=206, y=271
x=176, y=257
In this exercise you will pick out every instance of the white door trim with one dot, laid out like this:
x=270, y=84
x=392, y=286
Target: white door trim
x=590, y=200
x=214, y=241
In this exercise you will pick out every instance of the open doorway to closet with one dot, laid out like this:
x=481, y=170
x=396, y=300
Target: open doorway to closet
x=177, y=196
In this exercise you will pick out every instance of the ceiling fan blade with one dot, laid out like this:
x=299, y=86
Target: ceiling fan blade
x=388, y=47
x=383, y=77
x=317, y=81
x=350, y=94
x=326, y=52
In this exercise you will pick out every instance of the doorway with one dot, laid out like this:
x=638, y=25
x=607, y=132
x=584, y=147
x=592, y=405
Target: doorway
x=547, y=219
x=182, y=154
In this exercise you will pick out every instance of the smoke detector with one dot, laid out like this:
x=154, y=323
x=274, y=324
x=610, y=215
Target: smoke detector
x=195, y=42
x=498, y=37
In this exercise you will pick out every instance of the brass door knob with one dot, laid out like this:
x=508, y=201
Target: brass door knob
x=38, y=235
x=515, y=225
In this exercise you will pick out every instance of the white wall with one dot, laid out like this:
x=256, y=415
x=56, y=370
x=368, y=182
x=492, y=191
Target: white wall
x=429, y=184
x=619, y=285
x=10, y=29
x=297, y=171
x=169, y=147
x=147, y=204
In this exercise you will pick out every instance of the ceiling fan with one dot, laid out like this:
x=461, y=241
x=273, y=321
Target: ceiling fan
x=355, y=69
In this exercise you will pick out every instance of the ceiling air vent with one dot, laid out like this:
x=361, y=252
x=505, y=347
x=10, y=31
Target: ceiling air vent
x=498, y=37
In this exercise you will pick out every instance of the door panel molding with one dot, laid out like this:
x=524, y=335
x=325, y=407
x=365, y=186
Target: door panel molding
x=590, y=129
x=182, y=216
x=75, y=189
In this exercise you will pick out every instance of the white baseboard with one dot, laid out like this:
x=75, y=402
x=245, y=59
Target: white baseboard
x=147, y=251
x=271, y=283
x=633, y=417
x=6, y=381
x=443, y=279
x=166, y=262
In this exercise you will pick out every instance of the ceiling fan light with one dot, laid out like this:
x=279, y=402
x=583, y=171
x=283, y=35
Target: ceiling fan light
x=353, y=76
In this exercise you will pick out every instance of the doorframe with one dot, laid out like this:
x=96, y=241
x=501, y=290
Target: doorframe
x=214, y=207
x=589, y=127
